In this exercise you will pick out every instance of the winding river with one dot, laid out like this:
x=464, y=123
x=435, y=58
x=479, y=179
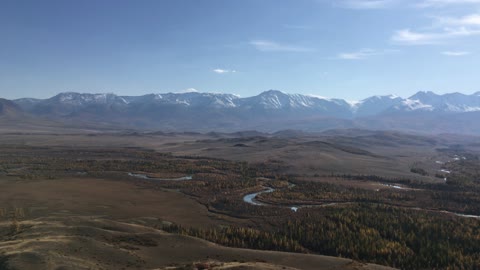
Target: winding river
x=146, y=177
x=250, y=199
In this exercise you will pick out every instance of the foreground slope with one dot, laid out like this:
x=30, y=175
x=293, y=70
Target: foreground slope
x=100, y=224
x=98, y=243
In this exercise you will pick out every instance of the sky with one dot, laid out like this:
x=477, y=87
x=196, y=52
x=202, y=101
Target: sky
x=349, y=49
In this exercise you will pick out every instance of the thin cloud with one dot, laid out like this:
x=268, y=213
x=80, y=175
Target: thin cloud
x=444, y=3
x=362, y=54
x=367, y=4
x=444, y=29
x=271, y=46
x=188, y=90
x=468, y=20
x=455, y=53
x=223, y=71
x=409, y=37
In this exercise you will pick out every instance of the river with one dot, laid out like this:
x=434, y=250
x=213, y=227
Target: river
x=146, y=177
x=250, y=199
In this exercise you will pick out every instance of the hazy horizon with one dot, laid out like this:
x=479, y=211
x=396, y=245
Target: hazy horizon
x=240, y=96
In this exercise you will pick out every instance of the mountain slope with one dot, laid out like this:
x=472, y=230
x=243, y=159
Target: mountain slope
x=454, y=102
x=272, y=110
x=9, y=108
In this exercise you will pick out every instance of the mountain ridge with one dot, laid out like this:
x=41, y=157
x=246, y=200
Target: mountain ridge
x=271, y=99
x=271, y=110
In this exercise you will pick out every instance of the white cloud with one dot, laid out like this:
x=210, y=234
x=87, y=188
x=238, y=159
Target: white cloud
x=468, y=20
x=188, y=90
x=362, y=54
x=223, y=71
x=455, y=53
x=444, y=3
x=408, y=37
x=270, y=46
x=367, y=4
x=445, y=28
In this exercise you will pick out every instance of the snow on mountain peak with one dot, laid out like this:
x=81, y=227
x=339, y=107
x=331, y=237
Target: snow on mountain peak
x=412, y=105
x=227, y=102
x=278, y=100
x=353, y=103
x=319, y=97
x=271, y=101
x=274, y=99
x=387, y=97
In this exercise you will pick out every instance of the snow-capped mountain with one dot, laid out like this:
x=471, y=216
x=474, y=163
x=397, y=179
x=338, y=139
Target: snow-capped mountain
x=376, y=104
x=76, y=99
x=454, y=102
x=191, y=99
x=271, y=110
x=70, y=102
x=274, y=101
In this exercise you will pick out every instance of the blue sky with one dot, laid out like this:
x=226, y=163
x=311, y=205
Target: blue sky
x=346, y=49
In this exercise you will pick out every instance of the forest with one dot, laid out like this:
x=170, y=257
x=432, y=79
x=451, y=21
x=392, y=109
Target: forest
x=411, y=228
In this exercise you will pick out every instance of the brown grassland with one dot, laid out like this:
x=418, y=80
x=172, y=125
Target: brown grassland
x=367, y=200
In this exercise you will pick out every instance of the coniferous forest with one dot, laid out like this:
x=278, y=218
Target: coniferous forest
x=417, y=227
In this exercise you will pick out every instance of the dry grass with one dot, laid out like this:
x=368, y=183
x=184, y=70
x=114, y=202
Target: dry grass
x=86, y=223
x=97, y=243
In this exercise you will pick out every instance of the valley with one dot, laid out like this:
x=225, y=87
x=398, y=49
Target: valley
x=370, y=197
x=239, y=135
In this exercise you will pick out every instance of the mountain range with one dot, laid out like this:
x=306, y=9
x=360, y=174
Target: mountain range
x=269, y=111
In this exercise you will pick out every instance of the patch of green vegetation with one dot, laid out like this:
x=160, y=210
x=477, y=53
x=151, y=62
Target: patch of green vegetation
x=4, y=262
x=419, y=171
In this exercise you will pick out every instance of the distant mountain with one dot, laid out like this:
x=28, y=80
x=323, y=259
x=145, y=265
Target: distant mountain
x=272, y=110
x=192, y=99
x=69, y=103
x=454, y=102
x=376, y=105
x=277, y=100
x=9, y=108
